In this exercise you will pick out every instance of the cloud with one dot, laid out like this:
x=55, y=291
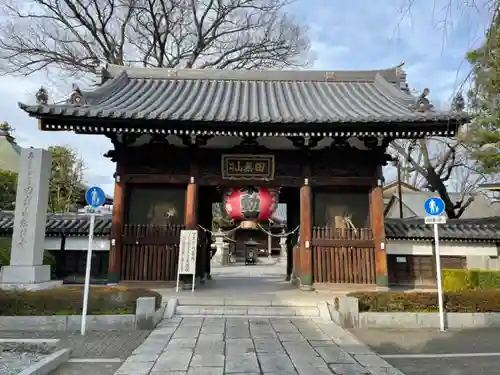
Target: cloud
x=354, y=34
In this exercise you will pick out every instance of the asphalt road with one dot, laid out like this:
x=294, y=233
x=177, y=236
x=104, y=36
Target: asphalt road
x=424, y=352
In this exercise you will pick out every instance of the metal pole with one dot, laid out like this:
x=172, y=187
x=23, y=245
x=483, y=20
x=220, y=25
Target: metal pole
x=400, y=193
x=269, y=243
x=438, y=276
x=87, y=275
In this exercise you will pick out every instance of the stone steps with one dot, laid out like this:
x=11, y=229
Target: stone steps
x=258, y=308
x=257, y=311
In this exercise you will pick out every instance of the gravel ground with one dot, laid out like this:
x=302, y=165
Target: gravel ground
x=16, y=357
x=95, y=344
x=12, y=363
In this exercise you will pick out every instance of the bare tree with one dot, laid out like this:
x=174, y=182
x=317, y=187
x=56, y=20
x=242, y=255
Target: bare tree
x=79, y=35
x=441, y=165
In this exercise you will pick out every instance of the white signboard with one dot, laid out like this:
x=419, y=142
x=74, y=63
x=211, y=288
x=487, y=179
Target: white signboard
x=187, y=255
x=435, y=220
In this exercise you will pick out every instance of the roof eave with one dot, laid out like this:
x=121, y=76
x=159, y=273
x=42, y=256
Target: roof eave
x=51, y=122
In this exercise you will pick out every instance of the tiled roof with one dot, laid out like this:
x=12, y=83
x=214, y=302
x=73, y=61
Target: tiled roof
x=68, y=224
x=229, y=96
x=481, y=206
x=481, y=229
x=484, y=229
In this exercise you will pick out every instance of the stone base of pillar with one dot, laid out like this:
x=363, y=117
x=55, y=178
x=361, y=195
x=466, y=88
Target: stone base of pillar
x=306, y=288
x=27, y=278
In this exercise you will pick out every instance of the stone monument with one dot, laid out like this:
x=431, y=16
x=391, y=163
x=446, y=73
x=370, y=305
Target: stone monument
x=26, y=269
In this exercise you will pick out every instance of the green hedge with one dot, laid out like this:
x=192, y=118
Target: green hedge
x=457, y=280
x=465, y=302
x=69, y=301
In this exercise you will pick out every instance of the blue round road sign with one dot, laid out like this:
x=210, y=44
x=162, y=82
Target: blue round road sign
x=95, y=197
x=434, y=206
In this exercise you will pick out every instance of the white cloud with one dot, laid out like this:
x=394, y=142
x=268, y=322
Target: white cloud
x=354, y=34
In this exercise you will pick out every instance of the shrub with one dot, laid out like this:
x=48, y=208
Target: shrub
x=457, y=280
x=465, y=302
x=69, y=301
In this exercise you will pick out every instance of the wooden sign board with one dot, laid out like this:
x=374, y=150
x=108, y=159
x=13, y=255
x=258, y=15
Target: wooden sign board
x=248, y=167
x=187, y=255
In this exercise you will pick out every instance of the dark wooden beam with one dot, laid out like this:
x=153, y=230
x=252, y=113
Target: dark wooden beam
x=118, y=220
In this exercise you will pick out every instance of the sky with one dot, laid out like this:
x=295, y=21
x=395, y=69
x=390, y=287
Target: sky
x=357, y=34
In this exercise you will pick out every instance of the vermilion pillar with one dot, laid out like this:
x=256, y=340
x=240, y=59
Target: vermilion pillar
x=191, y=209
x=377, y=225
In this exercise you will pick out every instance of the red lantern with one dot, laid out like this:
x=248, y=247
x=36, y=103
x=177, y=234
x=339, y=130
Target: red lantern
x=250, y=203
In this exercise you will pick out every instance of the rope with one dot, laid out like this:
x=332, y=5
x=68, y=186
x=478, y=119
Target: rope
x=224, y=234
x=278, y=235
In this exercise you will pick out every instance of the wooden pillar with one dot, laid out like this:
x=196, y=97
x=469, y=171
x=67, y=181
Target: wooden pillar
x=306, y=276
x=117, y=222
x=377, y=225
x=191, y=208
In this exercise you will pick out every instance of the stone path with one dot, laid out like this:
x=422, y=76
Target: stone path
x=227, y=346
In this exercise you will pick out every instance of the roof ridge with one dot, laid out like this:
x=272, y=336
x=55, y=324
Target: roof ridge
x=393, y=74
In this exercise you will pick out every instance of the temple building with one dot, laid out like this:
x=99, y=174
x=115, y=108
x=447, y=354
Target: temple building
x=185, y=139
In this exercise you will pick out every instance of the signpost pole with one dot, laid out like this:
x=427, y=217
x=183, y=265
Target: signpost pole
x=87, y=274
x=435, y=207
x=438, y=276
x=95, y=197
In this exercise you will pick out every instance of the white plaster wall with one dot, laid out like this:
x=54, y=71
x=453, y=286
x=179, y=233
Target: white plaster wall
x=483, y=262
x=484, y=256
x=398, y=247
x=77, y=243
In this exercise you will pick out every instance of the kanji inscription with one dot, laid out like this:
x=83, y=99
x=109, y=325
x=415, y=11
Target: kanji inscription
x=248, y=167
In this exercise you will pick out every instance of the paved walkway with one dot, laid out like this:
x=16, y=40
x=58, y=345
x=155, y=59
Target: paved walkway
x=226, y=346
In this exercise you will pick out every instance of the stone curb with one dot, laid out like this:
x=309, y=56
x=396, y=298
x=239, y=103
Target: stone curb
x=146, y=317
x=427, y=320
x=50, y=342
x=170, y=307
x=69, y=323
x=48, y=364
x=345, y=312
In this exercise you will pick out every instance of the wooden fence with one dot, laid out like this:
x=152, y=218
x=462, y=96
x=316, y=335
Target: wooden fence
x=343, y=255
x=150, y=252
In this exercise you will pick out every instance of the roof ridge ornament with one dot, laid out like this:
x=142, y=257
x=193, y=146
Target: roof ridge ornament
x=42, y=96
x=422, y=104
x=76, y=96
x=172, y=73
x=401, y=74
x=329, y=76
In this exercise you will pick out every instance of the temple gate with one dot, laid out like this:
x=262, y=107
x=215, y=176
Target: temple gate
x=181, y=138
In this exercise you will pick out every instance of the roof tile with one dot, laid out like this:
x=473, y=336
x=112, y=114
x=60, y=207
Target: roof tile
x=247, y=97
